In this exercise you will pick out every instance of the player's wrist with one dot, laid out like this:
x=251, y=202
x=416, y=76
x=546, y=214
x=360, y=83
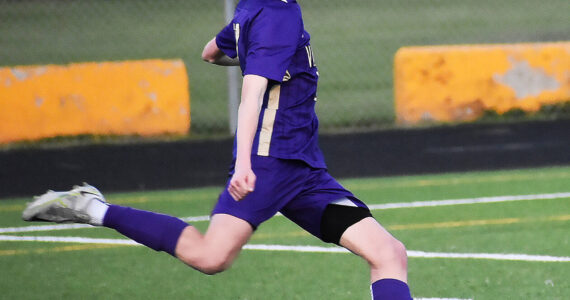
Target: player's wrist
x=243, y=164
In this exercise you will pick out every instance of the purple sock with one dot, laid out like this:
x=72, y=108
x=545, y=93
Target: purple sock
x=157, y=231
x=390, y=289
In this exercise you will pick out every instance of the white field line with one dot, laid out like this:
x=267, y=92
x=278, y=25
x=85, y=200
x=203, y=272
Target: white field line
x=295, y=248
x=372, y=207
x=43, y=228
x=54, y=227
x=68, y=239
x=470, y=201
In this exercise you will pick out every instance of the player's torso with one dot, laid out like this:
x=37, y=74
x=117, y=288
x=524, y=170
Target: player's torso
x=288, y=125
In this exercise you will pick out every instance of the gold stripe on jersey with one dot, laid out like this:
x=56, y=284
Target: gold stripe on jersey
x=268, y=121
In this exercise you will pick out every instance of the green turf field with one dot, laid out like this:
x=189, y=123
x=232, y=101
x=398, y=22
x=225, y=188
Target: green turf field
x=539, y=227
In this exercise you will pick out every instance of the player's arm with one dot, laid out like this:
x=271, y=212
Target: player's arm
x=243, y=180
x=214, y=55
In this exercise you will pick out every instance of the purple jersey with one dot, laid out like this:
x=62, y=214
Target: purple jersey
x=269, y=38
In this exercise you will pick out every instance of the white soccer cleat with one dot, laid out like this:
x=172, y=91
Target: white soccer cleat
x=62, y=207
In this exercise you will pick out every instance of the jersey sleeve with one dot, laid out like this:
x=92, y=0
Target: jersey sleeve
x=225, y=40
x=272, y=41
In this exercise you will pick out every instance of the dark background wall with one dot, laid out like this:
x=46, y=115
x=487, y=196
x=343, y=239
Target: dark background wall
x=199, y=163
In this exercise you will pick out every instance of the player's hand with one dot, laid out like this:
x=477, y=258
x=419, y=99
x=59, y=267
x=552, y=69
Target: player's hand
x=242, y=183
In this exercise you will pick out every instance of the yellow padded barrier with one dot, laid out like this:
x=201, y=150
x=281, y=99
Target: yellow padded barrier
x=146, y=97
x=458, y=83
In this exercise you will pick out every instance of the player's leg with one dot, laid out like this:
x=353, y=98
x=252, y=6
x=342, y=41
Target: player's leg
x=230, y=228
x=330, y=212
x=215, y=250
x=210, y=253
x=385, y=255
x=353, y=227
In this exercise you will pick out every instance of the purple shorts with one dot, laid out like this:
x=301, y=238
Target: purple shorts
x=291, y=187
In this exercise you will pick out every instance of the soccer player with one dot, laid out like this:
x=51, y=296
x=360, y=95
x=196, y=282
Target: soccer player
x=277, y=166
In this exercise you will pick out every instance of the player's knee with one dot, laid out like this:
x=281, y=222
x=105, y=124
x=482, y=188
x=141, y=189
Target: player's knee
x=206, y=261
x=392, y=252
x=214, y=261
x=400, y=254
x=214, y=265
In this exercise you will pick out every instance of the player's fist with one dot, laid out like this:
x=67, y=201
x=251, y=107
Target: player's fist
x=241, y=184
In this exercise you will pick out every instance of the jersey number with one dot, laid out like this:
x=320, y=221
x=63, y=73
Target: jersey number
x=310, y=56
x=236, y=35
